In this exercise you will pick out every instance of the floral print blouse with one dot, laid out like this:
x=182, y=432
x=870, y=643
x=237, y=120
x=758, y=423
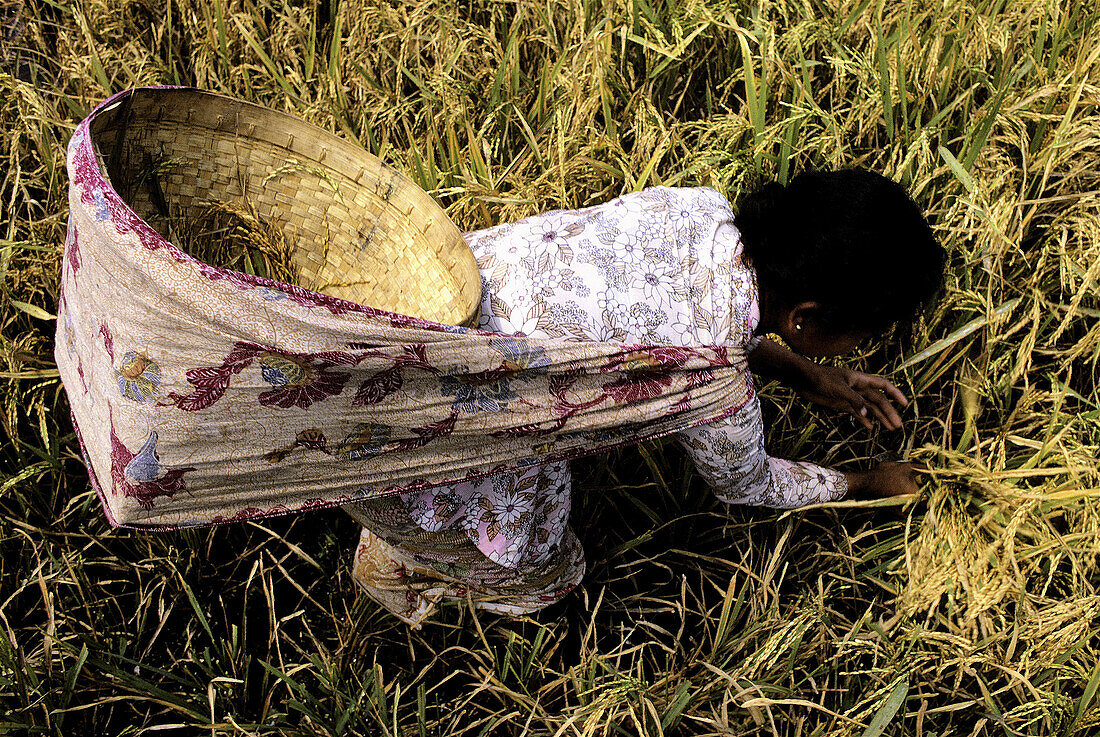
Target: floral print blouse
x=630, y=270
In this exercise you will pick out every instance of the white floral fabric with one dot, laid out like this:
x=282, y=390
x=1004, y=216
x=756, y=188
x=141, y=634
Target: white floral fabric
x=632, y=270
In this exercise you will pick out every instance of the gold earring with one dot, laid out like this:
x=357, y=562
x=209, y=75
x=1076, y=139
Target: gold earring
x=798, y=326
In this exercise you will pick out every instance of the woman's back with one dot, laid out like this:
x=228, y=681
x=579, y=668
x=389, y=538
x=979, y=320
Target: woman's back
x=658, y=266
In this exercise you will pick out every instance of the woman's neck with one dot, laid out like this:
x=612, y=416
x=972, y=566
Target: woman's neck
x=770, y=311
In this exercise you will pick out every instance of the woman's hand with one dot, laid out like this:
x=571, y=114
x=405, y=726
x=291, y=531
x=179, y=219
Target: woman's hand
x=862, y=395
x=865, y=396
x=885, y=480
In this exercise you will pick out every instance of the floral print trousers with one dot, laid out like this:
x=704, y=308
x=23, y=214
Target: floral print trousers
x=409, y=570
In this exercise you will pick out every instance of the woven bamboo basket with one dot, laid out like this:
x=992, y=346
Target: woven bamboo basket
x=354, y=227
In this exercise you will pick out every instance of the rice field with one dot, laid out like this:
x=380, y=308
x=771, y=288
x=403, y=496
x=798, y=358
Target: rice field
x=973, y=610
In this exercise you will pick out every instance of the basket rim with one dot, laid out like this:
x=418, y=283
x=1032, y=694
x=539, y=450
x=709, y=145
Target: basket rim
x=300, y=293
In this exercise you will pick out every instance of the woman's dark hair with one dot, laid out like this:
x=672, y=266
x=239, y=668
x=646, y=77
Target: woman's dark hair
x=851, y=240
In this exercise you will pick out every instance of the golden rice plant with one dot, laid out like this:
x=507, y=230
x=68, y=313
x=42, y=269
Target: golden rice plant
x=973, y=610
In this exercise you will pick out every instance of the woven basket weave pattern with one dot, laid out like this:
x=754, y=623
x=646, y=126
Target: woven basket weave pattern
x=357, y=228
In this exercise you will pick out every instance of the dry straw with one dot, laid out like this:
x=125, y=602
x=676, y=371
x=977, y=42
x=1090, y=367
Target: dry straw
x=234, y=236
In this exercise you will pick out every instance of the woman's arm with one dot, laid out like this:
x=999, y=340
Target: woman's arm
x=862, y=395
x=771, y=359
x=730, y=455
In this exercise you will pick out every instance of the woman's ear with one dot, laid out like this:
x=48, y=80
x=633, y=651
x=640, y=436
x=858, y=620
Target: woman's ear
x=803, y=332
x=801, y=317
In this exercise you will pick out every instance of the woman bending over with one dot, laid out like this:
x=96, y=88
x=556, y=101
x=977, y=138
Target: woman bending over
x=826, y=262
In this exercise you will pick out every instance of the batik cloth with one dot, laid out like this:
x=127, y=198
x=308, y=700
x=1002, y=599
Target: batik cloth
x=659, y=266
x=202, y=395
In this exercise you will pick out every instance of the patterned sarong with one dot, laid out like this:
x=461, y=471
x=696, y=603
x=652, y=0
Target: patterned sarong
x=203, y=395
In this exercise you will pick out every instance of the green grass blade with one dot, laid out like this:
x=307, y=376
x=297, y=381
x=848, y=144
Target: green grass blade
x=884, y=80
x=888, y=710
x=957, y=169
x=957, y=335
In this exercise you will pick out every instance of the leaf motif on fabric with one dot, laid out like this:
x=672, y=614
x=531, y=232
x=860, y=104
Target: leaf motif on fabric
x=212, y=381
x=241, y=355
x=545, y=263
x=559, y=384
x=338, y=358
x=526, y=483
x=531, y=430
x=428, y=433
x=444, y=506
x=199, y=399
x=703, y=280
x=537, y=311
x=551, y=329
x=565, y=252
x=108, y=340
x=376, y=388
x=638, y=386
x=438, y=429
x=724, y=326
x=315, y=385
x=683, y=405
x=698, y=378
x=493, y=529
x=147, y=479
x=311, y=438
x=518, y=523
x=72, y=252
x=278, y=455
x=206, y=376
x=575, y=329
x=704, y=320
x=415, y=355
x=499, y=307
